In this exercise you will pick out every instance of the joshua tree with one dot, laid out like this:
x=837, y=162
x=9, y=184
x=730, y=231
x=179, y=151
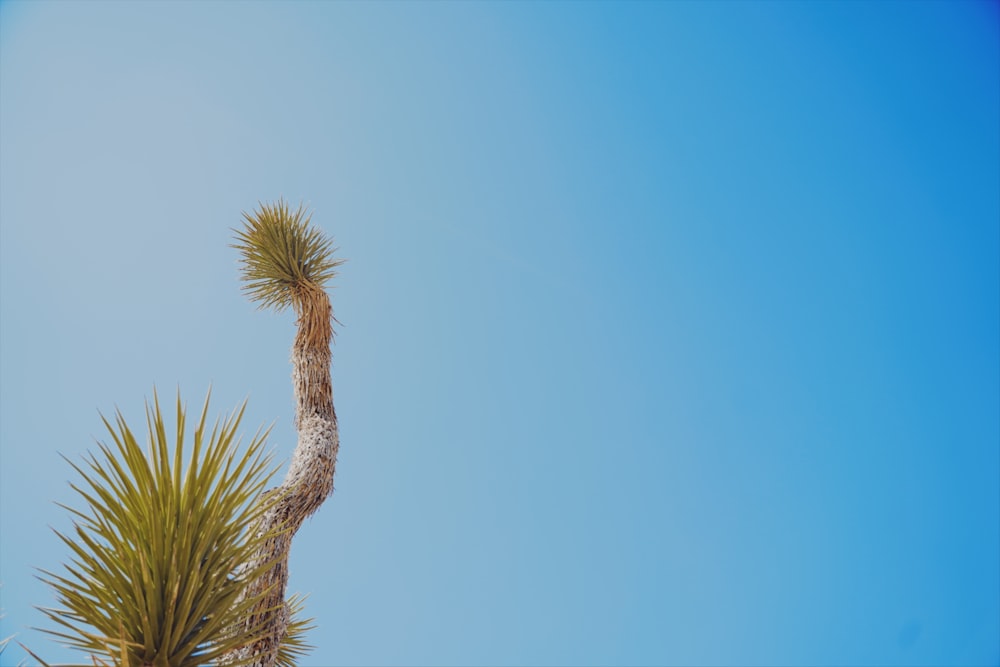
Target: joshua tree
x=177, y=563
x=285, y=262
x=152, y=580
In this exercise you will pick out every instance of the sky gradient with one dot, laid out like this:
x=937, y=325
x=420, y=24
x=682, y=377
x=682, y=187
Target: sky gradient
x=670, y=330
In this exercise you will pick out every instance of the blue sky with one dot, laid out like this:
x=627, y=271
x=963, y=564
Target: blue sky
x=670, y=329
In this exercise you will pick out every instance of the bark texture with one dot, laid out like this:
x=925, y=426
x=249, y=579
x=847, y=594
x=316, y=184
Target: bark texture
x=310, y=475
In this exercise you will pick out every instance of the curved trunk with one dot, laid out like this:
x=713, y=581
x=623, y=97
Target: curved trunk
x=310, y=475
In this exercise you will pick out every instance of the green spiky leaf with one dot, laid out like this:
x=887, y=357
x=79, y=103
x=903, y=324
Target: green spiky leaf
x=294, y=645
x=282, y=255
x=157, y=568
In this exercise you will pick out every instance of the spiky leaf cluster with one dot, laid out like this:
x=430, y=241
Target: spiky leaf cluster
x=4, y=641
x=294, y=645
x=155, y=577
x=283, y=257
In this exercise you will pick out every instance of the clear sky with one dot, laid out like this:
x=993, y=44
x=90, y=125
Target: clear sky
x=670, y=329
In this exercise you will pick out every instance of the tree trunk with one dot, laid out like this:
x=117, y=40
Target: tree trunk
x=310, y=475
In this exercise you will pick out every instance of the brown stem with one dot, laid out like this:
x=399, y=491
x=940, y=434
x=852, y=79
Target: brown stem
x=310, y=475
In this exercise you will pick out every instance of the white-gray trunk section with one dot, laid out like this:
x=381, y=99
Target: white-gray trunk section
x=306, y=485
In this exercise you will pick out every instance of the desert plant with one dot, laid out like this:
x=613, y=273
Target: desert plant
x=286, y=263
x=156, y=576
x=182, y=563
